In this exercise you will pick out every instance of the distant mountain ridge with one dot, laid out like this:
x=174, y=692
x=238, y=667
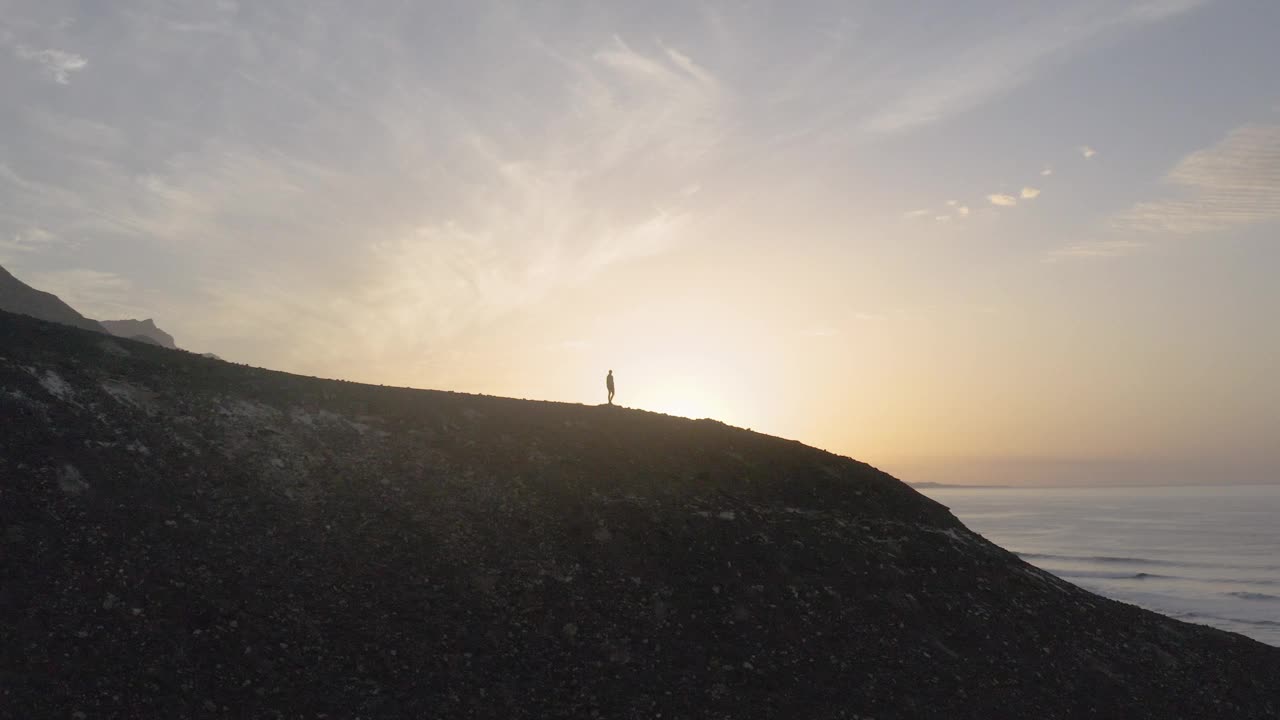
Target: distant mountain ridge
x=144, y=330
x=19, y=297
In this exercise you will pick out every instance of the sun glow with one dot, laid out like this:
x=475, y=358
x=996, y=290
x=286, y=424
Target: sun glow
x=685, y=396
x=704, y=379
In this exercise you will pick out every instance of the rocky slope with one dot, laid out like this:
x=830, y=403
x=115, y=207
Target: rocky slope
x=189, y=538
x=138, y=330
x=19, y=297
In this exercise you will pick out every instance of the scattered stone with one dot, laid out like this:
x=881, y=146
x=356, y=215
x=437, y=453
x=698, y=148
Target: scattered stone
x=70, y=481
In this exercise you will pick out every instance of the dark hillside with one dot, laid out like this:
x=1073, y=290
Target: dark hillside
x=186, y=538
x=19, y=297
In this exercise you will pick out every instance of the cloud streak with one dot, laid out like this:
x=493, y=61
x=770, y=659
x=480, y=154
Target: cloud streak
x=58, y=64
x=1096, y=250
x=1233, y=183
x=957, y=79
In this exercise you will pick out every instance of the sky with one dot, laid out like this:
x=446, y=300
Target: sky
x=983, y=242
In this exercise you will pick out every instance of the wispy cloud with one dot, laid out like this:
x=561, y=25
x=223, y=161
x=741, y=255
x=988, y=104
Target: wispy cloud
x=95, y=294
x=1002, y=200
x=956, y=79
x=1029, y=193
x=1096, y=249
x=15, y=246
x=385, y=202
x=59, y=64
x=952, y=210
x=29, y=240
x=1235, y=182
x=529, y=221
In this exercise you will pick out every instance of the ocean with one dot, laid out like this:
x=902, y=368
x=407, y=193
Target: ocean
x=1207, y=555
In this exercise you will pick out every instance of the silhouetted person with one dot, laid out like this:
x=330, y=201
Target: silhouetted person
x=608, y=383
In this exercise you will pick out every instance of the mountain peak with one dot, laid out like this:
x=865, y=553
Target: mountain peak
x=134, y=329
x=150, y=323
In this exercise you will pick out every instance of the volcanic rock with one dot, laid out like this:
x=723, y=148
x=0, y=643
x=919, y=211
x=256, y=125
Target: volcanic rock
x=188, y=538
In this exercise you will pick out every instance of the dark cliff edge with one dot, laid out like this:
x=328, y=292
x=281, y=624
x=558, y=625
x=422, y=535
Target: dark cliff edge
x=187, y=538
x=19, y=297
